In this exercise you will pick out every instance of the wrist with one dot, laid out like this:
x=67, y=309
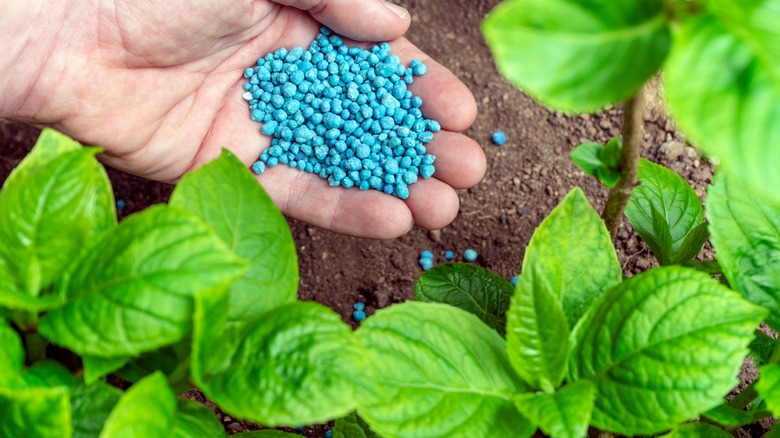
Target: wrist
x=30, y=32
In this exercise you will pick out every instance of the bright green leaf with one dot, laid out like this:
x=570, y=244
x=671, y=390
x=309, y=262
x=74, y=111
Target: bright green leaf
x=132, y=290
x=578, y=55
x=469, y=287
x=755, y=22
x=650, y=343
x=575, y=254
x=97, y=367
x=352, y=426
x=42, y=374
x=600, y=162
x=667, y=213
x=586, y=157
x=50, y=145
x=90, y=406
x=297, y=363
x=225, y=194
x=147, y=409
x=35, y=412
x=768, y=386
x=49, y=214
x=729, y=416
x=266, y=433
x=564, y=413
x=746, y=235
x=11, y=353
x=726, y=97
x=442, y=366
x=697, y=430
x=195, y=420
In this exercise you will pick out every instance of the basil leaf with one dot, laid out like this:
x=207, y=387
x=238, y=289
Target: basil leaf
x=468, y=287
x=729, y=416
x=97, y=367
x=352, y=426
x=768, y=386
x=131, y=291
x=147, y=409
x=745, y=231
x=90, y=406
x=231, y=201
x=578, y=55
x=443, y=364
x=195, y=420
x=652, y=340
x=11, y=353
x=697, y=430
x=35, y=412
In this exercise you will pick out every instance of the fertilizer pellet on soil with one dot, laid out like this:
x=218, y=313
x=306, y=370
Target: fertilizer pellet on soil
x=343, y=113
x=499, y=138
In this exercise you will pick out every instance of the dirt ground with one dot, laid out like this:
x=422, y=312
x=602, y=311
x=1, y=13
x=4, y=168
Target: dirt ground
x=526, y=178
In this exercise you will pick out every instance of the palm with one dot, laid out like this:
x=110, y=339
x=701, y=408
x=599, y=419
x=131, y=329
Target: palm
x=169, y=81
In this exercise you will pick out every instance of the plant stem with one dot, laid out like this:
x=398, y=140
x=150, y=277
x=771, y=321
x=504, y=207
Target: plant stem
x=629, y=162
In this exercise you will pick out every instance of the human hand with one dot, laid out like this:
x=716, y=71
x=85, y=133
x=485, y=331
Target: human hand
x=158, y=85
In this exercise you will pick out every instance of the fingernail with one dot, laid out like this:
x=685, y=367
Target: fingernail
x=397, y=10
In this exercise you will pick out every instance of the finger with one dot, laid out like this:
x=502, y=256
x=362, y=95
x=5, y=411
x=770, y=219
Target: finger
x=460, y=161
x=353, y=212
x=445, y=98
x=360, y=20
x=433, y=203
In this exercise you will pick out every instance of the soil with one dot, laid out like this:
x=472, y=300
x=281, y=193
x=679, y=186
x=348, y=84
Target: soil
x=526, y=179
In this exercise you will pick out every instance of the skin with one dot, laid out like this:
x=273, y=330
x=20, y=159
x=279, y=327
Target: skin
x=158, y=86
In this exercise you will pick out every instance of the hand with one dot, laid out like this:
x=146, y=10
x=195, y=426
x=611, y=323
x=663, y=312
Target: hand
x=158, y=85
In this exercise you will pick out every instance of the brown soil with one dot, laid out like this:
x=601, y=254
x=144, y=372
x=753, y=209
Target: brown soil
x=526, y=178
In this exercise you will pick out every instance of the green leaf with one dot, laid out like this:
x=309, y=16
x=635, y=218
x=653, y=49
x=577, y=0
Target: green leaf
x=132, y=290
x=97, y=367
x=697, y=430
x=90, y=406
x=729, y=416
x=600, y=162
x=755, y=22
x=575, y=253
x=761, y=347
x=165, y=359
x=726, y=97
x=667, y=213
x=537, y=331
x=266, y=433
x=586, y=157
x=35, y=412
x=50, y=145
x=564, y=413
x=11, y=353
x=195, y=420
x=746, y=235
x=768, y=386
x=578, y=55
x=651, y=342
x=49, y=214
x=43, y=374
x=438, y=371
x=352, y=426
x=147, y=409
x=225, y=194
x=468, y=287
x=297, y=363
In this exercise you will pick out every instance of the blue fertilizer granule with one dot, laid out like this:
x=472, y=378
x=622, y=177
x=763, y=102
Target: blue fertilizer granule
x=343, y=113
x=469, y=255
x=499, y=138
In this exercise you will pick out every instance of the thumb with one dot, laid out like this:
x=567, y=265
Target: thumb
x=360, y=20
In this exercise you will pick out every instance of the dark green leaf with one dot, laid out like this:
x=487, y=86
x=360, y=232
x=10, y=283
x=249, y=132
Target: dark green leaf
x=43, y=374
x=297, y=363
x=711, y=267
x=352, y=426
x=697, y=430
x=578, y=55
x=729, y=416
x=34, y=413
x=165, y=360
x=90, y=406
x=443, y=366
x=97, y=367
x=229, y=199
x=610, y=154
x=469, y=287
x=651, y=342
x=132, y=290
x=761, y=347
x=725, y=96
x=746, y=235
x=768, y=386
x=195, y=420
x=49, y=213
x=564, y=413
x=267, y=433
x=667, y=213
x=147, y=409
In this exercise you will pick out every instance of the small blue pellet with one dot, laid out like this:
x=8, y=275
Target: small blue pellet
x=120, y=204
x=258, y=167
x=514, y=280
x=359, y=315
x=329, y=433
x=426, y=263
x=359, y=305
x=449, y=255
x=425, y=254
x=499, y=138
x=469, y=255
